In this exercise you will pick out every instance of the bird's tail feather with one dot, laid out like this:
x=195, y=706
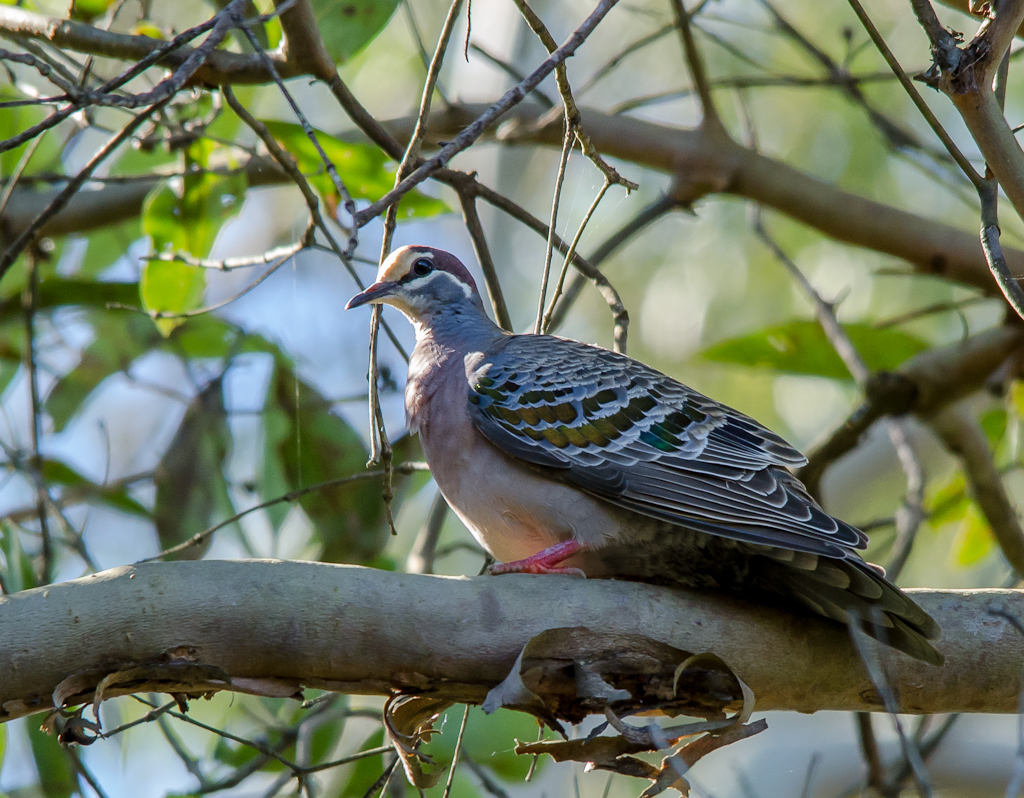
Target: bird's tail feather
x=850, y=591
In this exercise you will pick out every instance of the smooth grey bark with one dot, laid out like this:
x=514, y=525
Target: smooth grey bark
x=271, y=627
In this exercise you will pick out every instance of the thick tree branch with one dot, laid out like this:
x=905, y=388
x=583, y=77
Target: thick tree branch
x=270, y=627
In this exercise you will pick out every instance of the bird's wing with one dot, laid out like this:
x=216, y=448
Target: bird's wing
x=639, y=439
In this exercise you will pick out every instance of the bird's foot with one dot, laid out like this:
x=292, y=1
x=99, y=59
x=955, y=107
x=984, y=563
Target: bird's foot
x=543, y=562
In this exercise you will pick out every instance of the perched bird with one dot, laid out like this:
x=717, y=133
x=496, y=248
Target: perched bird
x=565, y=457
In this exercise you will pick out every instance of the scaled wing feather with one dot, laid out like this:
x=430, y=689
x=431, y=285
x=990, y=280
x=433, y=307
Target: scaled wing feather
x=639, y=439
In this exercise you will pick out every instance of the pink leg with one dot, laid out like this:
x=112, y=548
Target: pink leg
x=543, y=562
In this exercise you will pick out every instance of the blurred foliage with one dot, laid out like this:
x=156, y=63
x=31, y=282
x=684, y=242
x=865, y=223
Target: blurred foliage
x=362, y=167
x=801, y=347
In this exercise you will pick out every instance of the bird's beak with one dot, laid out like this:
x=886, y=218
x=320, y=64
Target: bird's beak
x=373, y=295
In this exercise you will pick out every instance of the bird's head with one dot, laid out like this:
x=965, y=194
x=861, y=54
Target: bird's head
x=420, y=281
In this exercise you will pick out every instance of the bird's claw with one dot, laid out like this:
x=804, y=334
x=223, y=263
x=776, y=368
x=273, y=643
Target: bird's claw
x=524, y=567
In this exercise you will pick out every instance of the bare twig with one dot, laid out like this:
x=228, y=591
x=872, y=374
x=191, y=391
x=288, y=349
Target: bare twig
x=467, y=200
x=473, y=131
x=556, y=294
x=915, y=96
x=710, y=119
x=911, y=753
x=556, y=198
x=74, y=184
x=571, y=111
x=455, y=756
x=332, y=171
x=29, y=300
x=512, y=72
x=229, y=264
x=201, y=537
x=648, y=215
x=312, y=203
x=910, y=513
x=424, y=549
x=869, y=751
x=620, y=317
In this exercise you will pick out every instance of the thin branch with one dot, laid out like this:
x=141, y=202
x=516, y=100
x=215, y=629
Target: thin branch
x=556, y=294
x=473, y=131
x=910, y=513
x=29, y=300
x=924, y=385
x=573, y=118
x=73, y=185
x=710, y=119
x=647, y=216
x=471, y=218
x=229, y=264
x=624, y=53
x=222, y=66
x=963, y=436
x=424, y=550
x=556, y=198
x=869, y=657
x=455, y=756
x=512, y=72
x=915, y=96
x=1008, y=284
x=620, y=317
x=201, y=537
x=312, y=203
x=869, y=751
x=332, y=171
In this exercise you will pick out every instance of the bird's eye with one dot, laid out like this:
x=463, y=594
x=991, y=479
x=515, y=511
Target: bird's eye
x=422, y=267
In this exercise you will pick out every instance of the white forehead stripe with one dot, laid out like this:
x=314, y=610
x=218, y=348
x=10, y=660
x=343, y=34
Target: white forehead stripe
x=401, y=259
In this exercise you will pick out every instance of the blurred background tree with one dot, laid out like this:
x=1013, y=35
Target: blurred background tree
x=189, y=195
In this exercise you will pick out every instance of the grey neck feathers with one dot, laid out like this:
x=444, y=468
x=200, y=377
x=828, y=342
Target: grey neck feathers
x=458, y=326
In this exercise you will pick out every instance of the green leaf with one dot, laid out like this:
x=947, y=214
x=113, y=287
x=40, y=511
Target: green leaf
x=208, y=336
x=347, y=26
x=88, y=10
x=950, y=502
x=120, y=339
x=12, y=344
x=107, y=245
x=305, y=444
x=994, y=424
x=57, y=292
x=191, y=493
x=188, y=223
x=171, y=287
x=16, y=120
x=56, y=776
x=19, y=573
x=974, y=540
x=1015, y=395
x=365, y=771
x=78, y=488
x=363, y=169
x=800, y=347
